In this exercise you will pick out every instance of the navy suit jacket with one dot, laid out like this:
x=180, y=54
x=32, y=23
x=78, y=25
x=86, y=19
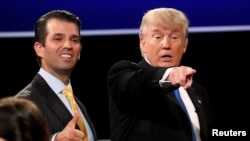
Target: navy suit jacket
x=141, y=110
x=53, y=109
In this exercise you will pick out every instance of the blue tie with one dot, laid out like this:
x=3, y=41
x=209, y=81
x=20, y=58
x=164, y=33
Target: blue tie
x=179, y=99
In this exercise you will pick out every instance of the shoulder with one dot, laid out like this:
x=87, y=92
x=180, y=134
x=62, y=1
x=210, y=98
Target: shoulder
x=37, y=85
x=121, y=65
x=25, y=92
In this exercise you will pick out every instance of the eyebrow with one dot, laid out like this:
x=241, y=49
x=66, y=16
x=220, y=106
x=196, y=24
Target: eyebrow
x=71, y=36
x=156, y=30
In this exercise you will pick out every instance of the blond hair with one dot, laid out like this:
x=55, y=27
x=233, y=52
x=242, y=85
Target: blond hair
x=166, y=17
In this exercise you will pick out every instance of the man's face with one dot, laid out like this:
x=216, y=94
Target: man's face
x=62, y=47
x=163, y=47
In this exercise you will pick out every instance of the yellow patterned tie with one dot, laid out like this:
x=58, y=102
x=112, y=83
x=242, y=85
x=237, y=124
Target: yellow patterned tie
x=69, y=95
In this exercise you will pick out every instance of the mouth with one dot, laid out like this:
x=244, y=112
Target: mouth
x=166, y=57
x=66, y=56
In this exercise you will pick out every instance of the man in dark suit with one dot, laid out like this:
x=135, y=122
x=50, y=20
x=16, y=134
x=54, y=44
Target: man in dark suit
x=143, y=105
x=58, y=49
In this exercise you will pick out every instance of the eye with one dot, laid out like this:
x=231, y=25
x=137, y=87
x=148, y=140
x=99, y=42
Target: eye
x=75, y=40
x=157, y=36
x=57, y=39
x=174, y=37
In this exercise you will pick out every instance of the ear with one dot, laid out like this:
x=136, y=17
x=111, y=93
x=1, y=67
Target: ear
x=38, y=49
x=142, y=45
x=79, y=55
x=185, y=45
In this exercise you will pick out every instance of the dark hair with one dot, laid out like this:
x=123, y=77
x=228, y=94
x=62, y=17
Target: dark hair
x=40, y=26
x=21, y=120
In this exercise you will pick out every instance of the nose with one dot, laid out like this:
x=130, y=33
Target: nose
x=67, y=44
x=165, y=43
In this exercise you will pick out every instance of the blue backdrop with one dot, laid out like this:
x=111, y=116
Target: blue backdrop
x=20, y=15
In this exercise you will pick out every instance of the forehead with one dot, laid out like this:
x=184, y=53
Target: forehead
x=61, y=26
x=160, y=28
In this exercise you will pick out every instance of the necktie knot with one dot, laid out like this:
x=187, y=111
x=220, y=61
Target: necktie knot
x=67, y=92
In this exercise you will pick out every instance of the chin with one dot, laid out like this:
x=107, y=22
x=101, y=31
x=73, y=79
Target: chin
x=166, y=64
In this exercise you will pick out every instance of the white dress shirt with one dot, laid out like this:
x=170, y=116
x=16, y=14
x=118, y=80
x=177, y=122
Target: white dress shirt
x=189, y=106
x=57, y=86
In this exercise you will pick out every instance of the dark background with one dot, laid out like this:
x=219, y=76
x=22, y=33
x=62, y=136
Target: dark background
x=220, y=58
x=219, y=41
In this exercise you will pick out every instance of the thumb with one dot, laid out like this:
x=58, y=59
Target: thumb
x=72, y=123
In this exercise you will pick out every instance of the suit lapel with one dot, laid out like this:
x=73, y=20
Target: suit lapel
x=195, y=99
x=53, y=100
x=198, y=104
x=59, y=108
x=84, y=111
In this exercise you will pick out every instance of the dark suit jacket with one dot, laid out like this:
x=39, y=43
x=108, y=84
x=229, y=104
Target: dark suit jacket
x=140, y=110
x=53, y=109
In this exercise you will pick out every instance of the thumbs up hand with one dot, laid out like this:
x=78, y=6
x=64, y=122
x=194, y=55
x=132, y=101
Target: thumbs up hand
x=69, y=133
